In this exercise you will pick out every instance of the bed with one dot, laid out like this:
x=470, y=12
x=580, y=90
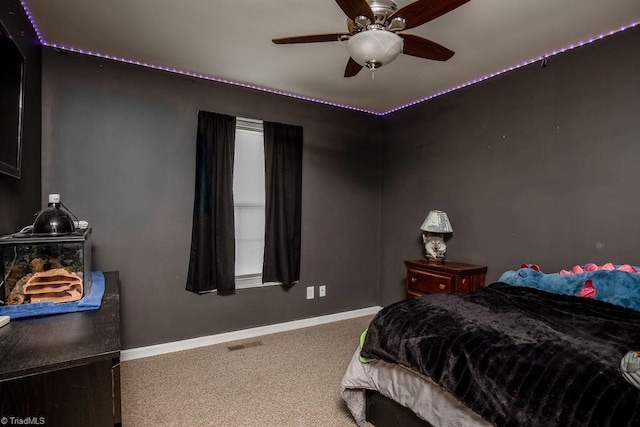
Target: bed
x=532, y=349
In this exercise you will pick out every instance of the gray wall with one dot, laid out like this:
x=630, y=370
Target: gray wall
x=539, y=165
x=20, y=198
x=119, y=145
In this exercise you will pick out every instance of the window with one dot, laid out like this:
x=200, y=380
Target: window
x=268, y=231
x=249, y=202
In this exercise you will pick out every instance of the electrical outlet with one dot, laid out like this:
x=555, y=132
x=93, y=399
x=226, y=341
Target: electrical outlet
x=310, y=292
x=322, y=291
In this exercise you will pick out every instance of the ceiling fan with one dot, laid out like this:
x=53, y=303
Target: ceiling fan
x=374, y=38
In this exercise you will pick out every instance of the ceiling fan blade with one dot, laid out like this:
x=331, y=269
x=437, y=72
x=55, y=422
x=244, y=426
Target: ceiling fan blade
x=355, y=8
x=423, y=48
x=352, y=69
x=311, y=38
x=421, y=11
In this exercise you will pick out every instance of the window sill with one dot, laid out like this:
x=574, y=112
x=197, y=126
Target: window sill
x=253, y=281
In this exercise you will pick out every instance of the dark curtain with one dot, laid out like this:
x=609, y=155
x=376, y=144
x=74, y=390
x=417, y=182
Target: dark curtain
x=283, y=187
x=212, y=261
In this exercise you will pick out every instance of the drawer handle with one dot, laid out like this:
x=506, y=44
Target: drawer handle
x=414, y=280
x=442, y=286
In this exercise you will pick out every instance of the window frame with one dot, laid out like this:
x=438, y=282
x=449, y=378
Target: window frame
x=249, y=281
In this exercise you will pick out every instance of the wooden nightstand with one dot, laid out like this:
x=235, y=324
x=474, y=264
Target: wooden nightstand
x=424, y=277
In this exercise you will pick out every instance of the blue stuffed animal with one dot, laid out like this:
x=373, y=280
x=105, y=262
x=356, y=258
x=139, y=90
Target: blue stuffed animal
x=612, y=286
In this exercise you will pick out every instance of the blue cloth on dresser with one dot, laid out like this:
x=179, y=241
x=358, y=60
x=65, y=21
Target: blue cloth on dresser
x=92, y=301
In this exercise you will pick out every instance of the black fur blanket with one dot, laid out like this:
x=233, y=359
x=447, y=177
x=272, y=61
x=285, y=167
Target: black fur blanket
x=517, y=356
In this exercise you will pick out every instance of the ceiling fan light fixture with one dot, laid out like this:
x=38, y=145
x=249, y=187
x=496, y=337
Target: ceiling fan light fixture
x=374, y=48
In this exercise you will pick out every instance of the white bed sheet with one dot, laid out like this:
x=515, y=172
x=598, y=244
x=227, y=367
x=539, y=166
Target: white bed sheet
x=411, y=389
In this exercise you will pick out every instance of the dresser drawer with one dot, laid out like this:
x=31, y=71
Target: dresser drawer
x=429, y=283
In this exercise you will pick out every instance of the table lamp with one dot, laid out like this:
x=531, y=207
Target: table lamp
x=434, y=227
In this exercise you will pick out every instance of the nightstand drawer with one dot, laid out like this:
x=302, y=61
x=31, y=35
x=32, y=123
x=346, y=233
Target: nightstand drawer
x=429, y=283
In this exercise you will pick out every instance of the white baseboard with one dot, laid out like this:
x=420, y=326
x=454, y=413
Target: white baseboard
x=154, y=350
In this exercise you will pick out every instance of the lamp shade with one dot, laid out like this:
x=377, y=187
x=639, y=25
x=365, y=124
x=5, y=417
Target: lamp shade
x=374, y=48
x=53, y=221
x=436, y=222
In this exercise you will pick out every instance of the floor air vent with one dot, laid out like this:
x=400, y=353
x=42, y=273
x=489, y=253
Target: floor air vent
x=245, y=345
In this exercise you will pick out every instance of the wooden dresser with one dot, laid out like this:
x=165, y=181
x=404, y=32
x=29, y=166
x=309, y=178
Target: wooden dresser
x=424, y=277
x=63, y=369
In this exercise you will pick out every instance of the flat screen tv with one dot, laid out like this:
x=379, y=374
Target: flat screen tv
x=11, y=104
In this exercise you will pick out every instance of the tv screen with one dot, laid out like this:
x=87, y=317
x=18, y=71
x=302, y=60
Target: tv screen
x=11, y=99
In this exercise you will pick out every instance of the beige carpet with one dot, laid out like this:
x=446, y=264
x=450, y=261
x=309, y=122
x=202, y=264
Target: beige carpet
x=292, y=379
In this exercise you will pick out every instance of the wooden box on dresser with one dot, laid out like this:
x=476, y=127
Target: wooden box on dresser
x=424, y=277
x=63, y=369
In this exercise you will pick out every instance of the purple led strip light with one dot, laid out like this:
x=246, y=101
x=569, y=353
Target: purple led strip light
x=306, y=98
x=182, y=72
x=522, y=64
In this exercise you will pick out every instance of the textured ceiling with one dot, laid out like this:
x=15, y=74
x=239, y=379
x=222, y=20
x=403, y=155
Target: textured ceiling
x=231, y=40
